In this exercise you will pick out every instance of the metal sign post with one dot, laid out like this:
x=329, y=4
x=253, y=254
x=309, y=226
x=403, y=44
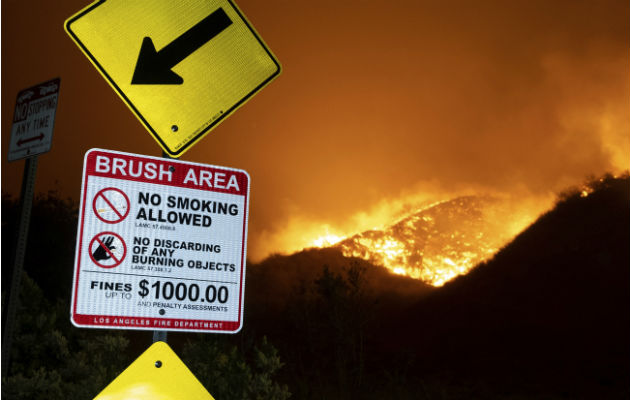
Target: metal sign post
x=31, y=135
x=28, y=185
x=160, y=336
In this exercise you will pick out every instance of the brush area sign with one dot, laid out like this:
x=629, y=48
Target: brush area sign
x=181, y=67
x=161, y=244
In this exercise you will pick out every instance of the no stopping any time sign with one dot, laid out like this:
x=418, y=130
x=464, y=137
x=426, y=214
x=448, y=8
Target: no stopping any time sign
x=161, y=244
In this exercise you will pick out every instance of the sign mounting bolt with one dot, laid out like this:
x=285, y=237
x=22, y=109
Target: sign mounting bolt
x=174, y=128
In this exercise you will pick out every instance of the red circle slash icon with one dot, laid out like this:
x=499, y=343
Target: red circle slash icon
x=107, y=250
x=111, y=205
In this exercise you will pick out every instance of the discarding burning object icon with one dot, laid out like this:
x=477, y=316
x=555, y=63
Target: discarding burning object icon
x=107, y=250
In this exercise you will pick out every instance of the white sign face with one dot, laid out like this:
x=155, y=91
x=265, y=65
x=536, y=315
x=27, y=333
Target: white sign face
x=34, y=120
x=161, y=245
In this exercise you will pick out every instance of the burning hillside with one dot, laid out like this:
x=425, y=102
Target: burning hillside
x=441, y=241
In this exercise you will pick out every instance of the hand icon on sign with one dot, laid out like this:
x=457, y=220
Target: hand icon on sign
x=102, y=252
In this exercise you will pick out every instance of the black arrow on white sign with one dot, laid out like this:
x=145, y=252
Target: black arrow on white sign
x=154, y=67
x=40, y=137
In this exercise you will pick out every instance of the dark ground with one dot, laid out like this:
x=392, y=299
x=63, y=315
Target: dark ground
x=547, y=318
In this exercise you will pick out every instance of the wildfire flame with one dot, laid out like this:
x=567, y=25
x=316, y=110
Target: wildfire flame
x=438, y=242
x=326, y=240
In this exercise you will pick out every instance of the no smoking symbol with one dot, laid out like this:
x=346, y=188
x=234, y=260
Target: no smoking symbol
x=111, y=205
x=108, y=250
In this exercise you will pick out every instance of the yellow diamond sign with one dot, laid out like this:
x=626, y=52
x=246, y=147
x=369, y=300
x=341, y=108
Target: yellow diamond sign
x=180, y=66
x=158, y=374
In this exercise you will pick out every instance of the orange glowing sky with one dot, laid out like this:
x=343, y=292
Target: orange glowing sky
x=380, y=104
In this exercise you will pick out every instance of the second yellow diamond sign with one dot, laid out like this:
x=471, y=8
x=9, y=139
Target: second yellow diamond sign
x=180, y=66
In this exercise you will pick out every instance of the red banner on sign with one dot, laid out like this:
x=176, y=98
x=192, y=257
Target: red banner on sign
x=165, y=171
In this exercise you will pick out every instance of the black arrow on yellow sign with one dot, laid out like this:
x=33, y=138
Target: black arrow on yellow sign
x=154, y=67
